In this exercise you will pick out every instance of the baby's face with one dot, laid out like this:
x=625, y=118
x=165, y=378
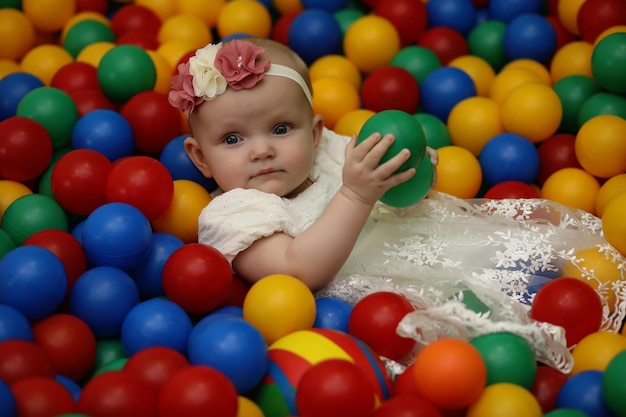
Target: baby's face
x=263, y=138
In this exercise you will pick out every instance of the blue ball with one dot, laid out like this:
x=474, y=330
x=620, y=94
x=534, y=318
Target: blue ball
x=332, y=313
x=13, y=87
x=315, y=33
x=177, y=162
x=530, y=36
x=8, y=404
x=233, y=346
x=156, y=322
x=33, y=281
x=14, y=325
x=507, y=10
x=70, y=385
x=327, y=5
x=509, y=157
x=148, y=274
x=118, y=235
x=583, y=392
x=105, y=131
x=102, y=297
x=443, y=88
x=459, y=15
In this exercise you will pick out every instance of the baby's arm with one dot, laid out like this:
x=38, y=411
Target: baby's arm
x=316, y=255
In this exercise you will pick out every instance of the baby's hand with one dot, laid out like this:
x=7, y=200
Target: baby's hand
x=364, y=178
x=434, y=159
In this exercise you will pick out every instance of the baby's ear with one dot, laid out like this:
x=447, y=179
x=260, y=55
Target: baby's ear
x=318, y=129
x=192, y=148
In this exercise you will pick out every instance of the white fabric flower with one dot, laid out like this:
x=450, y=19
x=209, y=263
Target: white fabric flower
x=208, y=82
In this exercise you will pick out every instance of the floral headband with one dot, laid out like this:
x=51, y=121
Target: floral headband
x=215, y=67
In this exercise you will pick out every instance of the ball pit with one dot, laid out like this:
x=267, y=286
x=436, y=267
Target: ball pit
x=94, y=76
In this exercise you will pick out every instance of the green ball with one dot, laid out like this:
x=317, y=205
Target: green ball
x=508, y=358
x=32, y=213
x=602, y=103
x=346, y=16
x=414, y=190
x=6, y=243
x=472, y=302
x=126, y=70
x=573, y=91
x=614, y=384
x=417, y=60
x=486, y=41
x=85, y=33
x=436, y=132
x=54, y=109
x=566, y=412
x=114, y=365
x=608, y=62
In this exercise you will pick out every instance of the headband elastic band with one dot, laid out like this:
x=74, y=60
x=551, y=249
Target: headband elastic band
x=283, y=71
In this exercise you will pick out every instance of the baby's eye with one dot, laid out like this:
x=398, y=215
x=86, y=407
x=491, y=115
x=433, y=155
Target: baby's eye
x=231, y=139
x=282, y=129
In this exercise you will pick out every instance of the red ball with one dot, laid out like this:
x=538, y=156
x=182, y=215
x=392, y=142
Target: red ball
x=407, y=406
x=25, y=149
x=66, y=247
x=143, y=182
x=197, y=277
x=404, y=384
x=595, y=16
x=117, y=393
x=138, y=38
x=409, y=17
x=78, y=180
x=20, y=359
x=155, y=122
x=374, y=320
x=69, y=343
x=155, y=365
x=88, y=100
x=98, y=6
x=198, y=391
x=76, y=76
x=570, y=303
x=555, y=153
x=512, y=189
x=238, y=291
x=39, y=397
x=390, y=88
x=133, y=17
x=548, y=383
x=444, y=42
x=280, y=30
x=335, y=388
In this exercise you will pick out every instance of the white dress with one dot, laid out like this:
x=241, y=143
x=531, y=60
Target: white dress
x=501, y=250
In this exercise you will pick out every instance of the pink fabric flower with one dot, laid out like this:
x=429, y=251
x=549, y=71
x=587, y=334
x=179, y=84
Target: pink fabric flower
x=181, y=94
x=238, y=62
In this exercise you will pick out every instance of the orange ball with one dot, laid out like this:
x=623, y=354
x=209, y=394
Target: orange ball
x=162, y=8
x=573, y=187
x=93, y=53
x=164, y=72
x=244, y=16
x=206, y=10
x=614, y=222
x=288, y=6
x=600, y=145
x=479, y=70
x=333, y=98
x=44, y=61
x=351, y=123
x=336, y=66
x=573, y=58
x=450, y=373
x=49, y=15
x=612, y=187
x=371, y=42
x=16, y=26
x=458, y=173
x=174, y=51
x=9, y=192
x=595, y=351
x=509, y=79
x=473, y=122
x=567, y=12
x=505, y=399
x=532, y=65
x=181, y=218
x=185, y=28
x=8, y=66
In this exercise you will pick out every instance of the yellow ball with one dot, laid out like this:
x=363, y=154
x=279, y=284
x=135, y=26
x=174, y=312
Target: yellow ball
x=9, y=192
x=614, y=222
x=80, y=17
x=533, y=111
x=164, y=72
x=473, y=122
x=505, y=399
x=333, y=98
x=507, y=80
x=351, y=123
x=600, y=145
x=16, y=26
x=49, y=15
x=288, y=6
x=45, y=60
x=573, y=187
x=530, y=64
x=612, y=187
x=244, y=16
x=371, y=42
x=206, y=10
x=458, y=172
x=567, y=12
x=595, y=351
x=162, y=8
x=185, y=28
x=479, y=70
x=596, y=268
x=248, y=408
x=337, y=66
x=278, y=305
x=8, y=66
x=93, y=53
x=573, y=58
x=181, y=218
x=174, y=51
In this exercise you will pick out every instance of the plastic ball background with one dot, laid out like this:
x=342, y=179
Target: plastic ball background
x=93, y=76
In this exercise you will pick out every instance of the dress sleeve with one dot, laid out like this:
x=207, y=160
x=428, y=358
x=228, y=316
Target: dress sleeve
x=234, y=220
